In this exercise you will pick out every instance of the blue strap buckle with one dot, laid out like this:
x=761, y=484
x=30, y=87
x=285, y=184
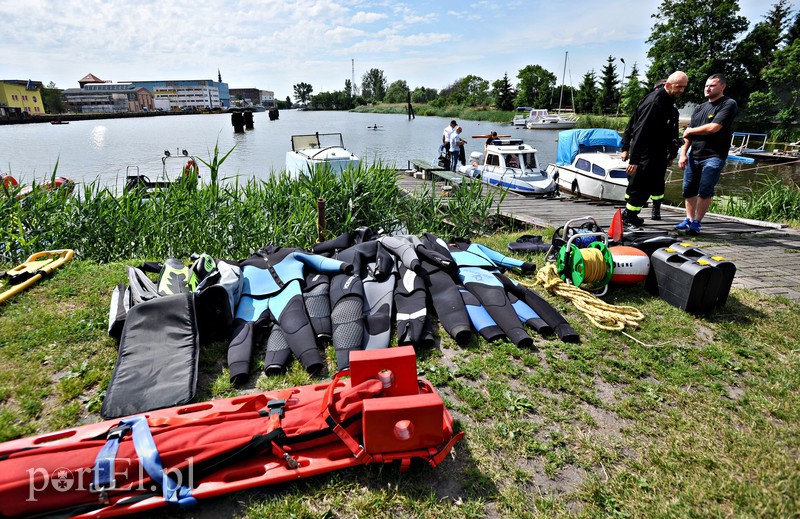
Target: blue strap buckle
x=104, y=478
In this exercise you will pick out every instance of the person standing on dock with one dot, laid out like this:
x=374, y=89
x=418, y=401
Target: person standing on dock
x=456, y=143
x=655, y=211
x=446, y=133
x=653, y=145
x=707, y=140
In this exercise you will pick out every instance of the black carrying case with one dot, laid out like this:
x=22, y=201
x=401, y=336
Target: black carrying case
x=158, y=357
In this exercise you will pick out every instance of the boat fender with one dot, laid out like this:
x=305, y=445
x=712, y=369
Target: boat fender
x=576, y=190
x=555, y=176
x=64, y=183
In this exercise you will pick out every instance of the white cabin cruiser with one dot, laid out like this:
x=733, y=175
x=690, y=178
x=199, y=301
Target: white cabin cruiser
x=511, y=164
x=588, y=164
x=319, y=150
x=521, y=116
x=542, y=120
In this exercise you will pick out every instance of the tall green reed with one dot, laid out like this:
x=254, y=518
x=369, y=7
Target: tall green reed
x=772, y=201
x=229, y=219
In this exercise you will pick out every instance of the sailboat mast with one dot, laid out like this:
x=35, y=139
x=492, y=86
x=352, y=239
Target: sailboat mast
x=563, y=75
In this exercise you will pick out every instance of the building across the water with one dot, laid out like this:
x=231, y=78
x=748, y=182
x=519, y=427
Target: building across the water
x=20, y=98
x=252, y=97
x=96, y=95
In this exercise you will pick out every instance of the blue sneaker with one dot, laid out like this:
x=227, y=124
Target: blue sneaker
x=694, y=227
x=683, y=225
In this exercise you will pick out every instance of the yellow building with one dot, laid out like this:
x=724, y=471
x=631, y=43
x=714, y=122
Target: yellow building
x=20, y=98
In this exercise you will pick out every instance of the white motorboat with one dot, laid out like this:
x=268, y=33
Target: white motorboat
x=521, y=116
x=510, y=164
x=177, y=168
x=319, y=150
x=588, y=164
x=542, y=120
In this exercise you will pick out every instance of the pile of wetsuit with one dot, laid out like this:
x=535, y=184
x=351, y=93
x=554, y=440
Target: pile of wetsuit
x=355, y=291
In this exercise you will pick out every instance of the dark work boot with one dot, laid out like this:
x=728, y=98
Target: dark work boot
x=655, y=213
x=631, y=218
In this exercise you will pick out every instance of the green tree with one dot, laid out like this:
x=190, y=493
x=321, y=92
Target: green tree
x=633, y=92
x=475, y=90
x=563, y=97
x=783, y=78
x=373, y=85
x=302, y=92
x=323, y=101
x=697, y=37
x=397, y=92
x=609, y=94
x=587, y=94
x=347, y=101
x=504, y=94
x=756, y=51
x=535, y=85
x=52, y=100
x=793, y=32
x=423, y=95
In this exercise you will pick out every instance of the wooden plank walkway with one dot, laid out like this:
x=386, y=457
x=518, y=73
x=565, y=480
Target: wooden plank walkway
x=765, y=254
x=554, y=212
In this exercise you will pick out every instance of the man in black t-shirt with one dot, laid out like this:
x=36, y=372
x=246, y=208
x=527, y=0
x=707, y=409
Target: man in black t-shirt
x=707, y=141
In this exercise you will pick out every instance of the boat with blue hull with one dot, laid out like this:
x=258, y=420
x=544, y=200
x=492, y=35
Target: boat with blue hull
x=510, y=164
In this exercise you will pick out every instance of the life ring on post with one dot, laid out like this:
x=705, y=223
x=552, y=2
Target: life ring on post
x=190, y=170
x=9, y=182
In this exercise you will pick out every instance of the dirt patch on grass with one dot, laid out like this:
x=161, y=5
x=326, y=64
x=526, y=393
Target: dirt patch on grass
x=565, y=481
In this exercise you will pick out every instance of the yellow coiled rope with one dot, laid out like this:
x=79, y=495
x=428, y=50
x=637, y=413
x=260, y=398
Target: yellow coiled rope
x=603, y=315
x=594, y=265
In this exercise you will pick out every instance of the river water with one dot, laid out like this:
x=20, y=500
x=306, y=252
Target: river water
x=104, y=150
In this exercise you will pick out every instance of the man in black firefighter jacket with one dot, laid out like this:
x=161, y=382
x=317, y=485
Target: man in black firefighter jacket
x=653, y=145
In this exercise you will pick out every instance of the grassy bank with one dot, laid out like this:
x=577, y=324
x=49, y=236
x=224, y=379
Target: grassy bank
x=773, y=201
x=686, y=417
x=228, y=220
x=486, y=114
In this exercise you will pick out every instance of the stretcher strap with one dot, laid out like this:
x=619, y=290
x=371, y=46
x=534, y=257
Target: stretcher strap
x=104, y=471
x=445, y=450
x=328, y=412
x=146, y=450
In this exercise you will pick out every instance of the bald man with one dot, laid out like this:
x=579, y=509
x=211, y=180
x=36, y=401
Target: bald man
x=653, y=145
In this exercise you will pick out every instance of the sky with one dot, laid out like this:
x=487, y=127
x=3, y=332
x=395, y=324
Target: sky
x=275, y=44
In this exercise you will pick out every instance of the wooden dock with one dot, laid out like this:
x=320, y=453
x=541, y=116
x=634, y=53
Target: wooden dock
x=765, y=254
x=529, y=211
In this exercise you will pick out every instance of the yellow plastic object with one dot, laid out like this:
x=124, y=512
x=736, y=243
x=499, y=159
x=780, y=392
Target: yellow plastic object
x=37, y=266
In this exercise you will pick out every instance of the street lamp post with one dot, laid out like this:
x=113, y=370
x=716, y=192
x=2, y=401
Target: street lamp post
x=622, y=85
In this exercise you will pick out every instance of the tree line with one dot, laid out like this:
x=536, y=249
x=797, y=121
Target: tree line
x=700, y=37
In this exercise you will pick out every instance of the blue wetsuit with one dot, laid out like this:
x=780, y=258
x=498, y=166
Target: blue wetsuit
x=476, y=266
x=272, y=294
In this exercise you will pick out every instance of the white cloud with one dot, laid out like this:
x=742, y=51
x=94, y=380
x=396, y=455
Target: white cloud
x=273, y=44
x=361, y=17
